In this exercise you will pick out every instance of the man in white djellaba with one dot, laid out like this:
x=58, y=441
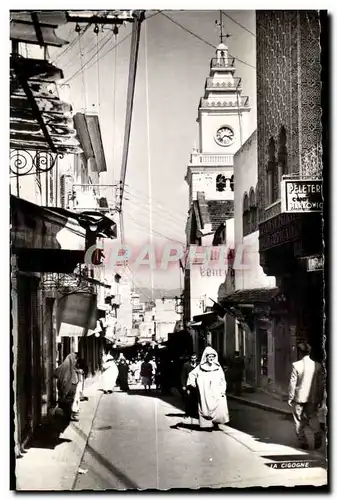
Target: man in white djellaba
x=110, y=374
x=209, y=379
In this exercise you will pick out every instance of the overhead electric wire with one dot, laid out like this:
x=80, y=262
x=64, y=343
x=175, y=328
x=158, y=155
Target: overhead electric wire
x=94, y=55
x=164, y=212
x=161, y=206
x=239, y=24
x=83, y=79
x=139, y=205
x=155, y=232
x=106, y=53
x=93, y=47
x=203, y=40
x=98, y=81
x=70, y=46
x=169, y=225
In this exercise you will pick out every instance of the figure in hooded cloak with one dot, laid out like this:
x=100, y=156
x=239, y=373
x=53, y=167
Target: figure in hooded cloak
x=67, y=382
x=209, y=379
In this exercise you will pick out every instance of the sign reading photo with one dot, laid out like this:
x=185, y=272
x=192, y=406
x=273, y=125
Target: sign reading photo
x=301, y=196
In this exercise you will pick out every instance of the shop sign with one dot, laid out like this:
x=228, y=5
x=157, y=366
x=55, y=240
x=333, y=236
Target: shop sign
x=278, y=231
x=78, y=309
x=301, y=196
x=315, y=263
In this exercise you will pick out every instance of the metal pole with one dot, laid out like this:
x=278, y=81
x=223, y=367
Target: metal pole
x=130, y=98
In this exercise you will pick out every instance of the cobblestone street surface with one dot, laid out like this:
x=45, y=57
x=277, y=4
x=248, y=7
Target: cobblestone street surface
x=140, y=441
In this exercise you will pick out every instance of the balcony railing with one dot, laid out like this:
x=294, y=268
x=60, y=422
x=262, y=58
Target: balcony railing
x=241, y=102
x=221, y=85
x=223, y=62
x=99, y=197
x=209, y=159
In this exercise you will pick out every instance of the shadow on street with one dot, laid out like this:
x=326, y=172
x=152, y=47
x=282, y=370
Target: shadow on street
x=47, y=436
x=103, y=462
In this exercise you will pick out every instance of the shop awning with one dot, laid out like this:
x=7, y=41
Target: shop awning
x=206, y=318
x=39, y=120
x=77, y=313
x=48, y=239
x=37, y=27
x=251, y=297
x=36, y=227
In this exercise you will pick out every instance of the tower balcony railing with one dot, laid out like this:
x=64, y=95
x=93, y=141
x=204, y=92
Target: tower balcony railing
x=211, y=83
x=222, y=63
x=234, y=102
x=198, y=158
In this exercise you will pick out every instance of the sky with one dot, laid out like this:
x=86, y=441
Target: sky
x=172, y=67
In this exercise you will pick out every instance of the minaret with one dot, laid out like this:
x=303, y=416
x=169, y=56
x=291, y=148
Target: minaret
x=223, y=128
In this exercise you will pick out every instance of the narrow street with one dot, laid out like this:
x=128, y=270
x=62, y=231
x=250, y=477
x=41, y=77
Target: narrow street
x=141, y=441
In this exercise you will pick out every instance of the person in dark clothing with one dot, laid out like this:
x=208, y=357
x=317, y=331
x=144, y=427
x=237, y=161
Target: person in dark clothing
x=187, y=368
x=190, y=396
x=237, y=368
x=123, y=374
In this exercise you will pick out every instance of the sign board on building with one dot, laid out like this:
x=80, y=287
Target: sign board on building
x=315, y=263
x=78, y=309
x=298, y=196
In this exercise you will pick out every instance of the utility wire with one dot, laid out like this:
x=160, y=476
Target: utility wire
x=112, y=48
x=82, y=73
x=155, y=232
x=161, y=211
x=239, y=24
x=98, y=81
x=95, y=54
x=143, y=211
x=202, y=39
x=93, y=47
x=173, y=229
x=138, y=193
x=68, y=47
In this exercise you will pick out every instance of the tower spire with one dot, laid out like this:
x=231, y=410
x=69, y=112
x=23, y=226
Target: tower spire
x=220, y=27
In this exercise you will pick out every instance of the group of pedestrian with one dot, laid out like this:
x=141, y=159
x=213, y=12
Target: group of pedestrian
x=125, y=372
x=114, y=373
x=204, y=391
x=203, y=385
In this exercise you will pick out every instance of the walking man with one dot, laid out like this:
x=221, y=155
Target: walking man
x=187, y=368
x=306, y=391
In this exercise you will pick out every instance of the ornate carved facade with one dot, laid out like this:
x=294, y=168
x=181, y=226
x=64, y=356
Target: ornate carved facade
x=288, y=97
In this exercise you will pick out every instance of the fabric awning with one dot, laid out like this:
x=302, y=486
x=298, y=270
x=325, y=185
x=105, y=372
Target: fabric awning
x=206, y=318
x=37, y=27
x=45, y=228
x=39, y=120
x=251, y=296
x=37, y=227
x=77, y=310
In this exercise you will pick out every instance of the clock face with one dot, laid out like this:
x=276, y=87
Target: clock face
x=224, y=136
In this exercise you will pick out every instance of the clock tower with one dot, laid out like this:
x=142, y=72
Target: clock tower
x=223, y=128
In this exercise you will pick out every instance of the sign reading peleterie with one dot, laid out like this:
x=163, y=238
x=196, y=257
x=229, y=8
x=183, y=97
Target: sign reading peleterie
x=299, y=196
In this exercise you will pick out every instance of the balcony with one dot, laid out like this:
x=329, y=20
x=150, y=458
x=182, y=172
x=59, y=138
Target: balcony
x=211, y=159
x=213, y=84
x=240, y=102
x=223, y=63
x=89, y=197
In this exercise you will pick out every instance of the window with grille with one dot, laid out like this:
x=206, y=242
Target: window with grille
x=246, y=221
x=282, y=151
x=252, y=211
x=273, y=184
